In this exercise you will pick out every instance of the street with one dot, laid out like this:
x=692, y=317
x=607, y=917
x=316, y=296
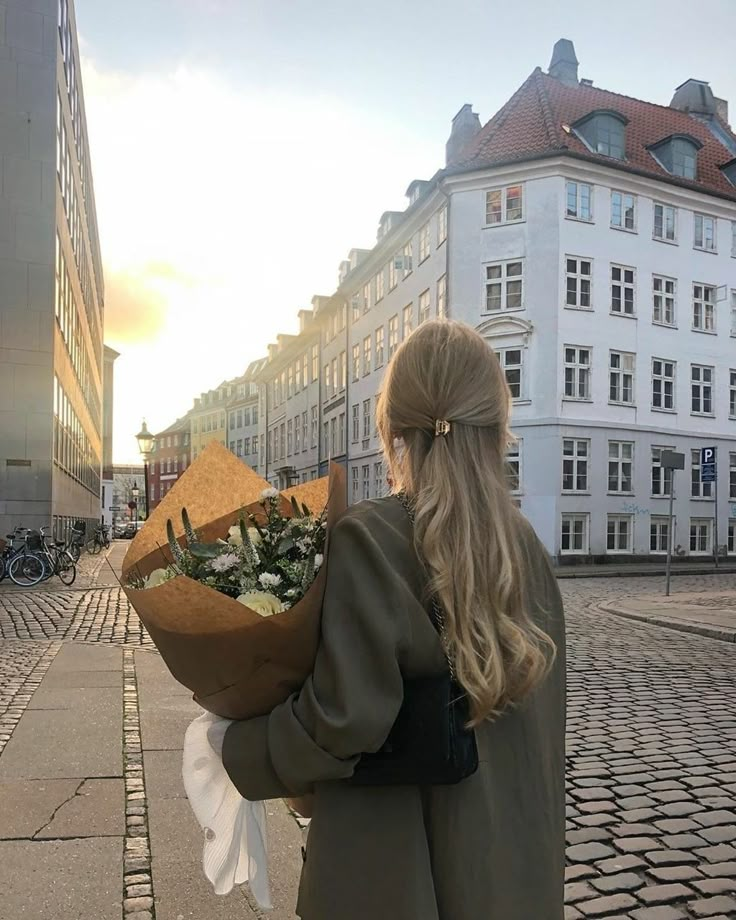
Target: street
x=651, y=762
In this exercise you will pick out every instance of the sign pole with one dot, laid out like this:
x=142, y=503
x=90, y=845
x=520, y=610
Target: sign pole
x=715, y=522
x=670, y=534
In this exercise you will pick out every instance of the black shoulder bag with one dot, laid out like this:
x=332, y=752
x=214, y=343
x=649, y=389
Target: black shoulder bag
x=429, y=743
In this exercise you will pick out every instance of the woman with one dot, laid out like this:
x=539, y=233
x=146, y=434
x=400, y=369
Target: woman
x=492, y=846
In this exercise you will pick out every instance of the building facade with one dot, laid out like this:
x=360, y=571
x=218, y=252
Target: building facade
x=51, y=293
x=243, y=413
x=126, y=480
x=108, y=412
x=208, y=417
x=170, y=458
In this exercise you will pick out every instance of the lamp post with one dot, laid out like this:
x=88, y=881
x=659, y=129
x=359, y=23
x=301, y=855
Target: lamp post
x=145, y=445
x=135, y=492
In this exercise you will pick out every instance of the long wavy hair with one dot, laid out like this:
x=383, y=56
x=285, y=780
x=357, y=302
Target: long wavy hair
x=467, y=527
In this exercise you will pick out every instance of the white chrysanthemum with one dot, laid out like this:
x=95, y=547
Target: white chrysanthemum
x=261, y=602
x=255, y=537
x=234, y=536
x=318, y=560
x=225, y=562
x=269, y=493
x=268, y=580
x=157, y=577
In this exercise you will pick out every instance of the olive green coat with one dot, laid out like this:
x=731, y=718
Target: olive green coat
x=490, y=848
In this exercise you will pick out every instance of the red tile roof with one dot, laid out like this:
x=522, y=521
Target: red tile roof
x=530, y=125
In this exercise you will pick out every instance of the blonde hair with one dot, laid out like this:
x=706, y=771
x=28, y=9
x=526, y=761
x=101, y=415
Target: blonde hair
x=467, y=528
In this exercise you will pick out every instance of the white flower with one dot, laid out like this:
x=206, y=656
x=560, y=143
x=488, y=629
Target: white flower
x=234, y=536
x=261, y=602
x=255, y=537
x=269, y=493
x=225, y=562
x=318, y=560
x=268, y=580
x=157, y=577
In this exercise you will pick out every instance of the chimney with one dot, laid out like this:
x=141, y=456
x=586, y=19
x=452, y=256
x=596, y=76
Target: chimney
x=722, y=109
x=564, y=63
x=694, y=97
x=465, y=125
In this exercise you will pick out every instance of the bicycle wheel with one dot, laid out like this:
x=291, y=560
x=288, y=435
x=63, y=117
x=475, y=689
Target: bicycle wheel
x=3, y=569
x=66, y=569
x=93, y=547
x=75, y=551
x=26, y=570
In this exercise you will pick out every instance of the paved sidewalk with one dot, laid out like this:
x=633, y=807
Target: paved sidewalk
x=94, y=822
x=707, y=613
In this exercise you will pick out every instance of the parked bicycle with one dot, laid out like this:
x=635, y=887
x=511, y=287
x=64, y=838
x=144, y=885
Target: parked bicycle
x=77, y=539
x=100, y=540
x=15, y=543
x=39, y=558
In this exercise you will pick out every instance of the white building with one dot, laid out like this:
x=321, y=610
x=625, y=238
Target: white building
x=243, y=416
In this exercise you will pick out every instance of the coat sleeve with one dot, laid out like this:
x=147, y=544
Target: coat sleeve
x=350, y=702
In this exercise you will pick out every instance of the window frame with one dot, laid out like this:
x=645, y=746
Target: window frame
x=665, y=379
x=575, y=459
x=732, y=393
x=624, y=286
x=705, y=389
x=501, y=354
x=665, y=475
x=697, y=522
x=579, y=278
x=589, y=219
x=504, y=219
x=620, y=461
x=367, y=354
x=701, y=247
x=380, y=346
x=442, y=225
x=577, y=365
x=705, y=304
x=503, y=281
x=621, y=372
x=424, y=306
x=425, y=243
x=664, y=296
x=699, y=490
x=619, y=519
x=571, y=518
x=664, y=238
x=624, y=211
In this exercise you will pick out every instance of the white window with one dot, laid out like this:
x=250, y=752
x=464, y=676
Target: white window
x=424, y=307
x=504, y=286
x=407, y=320
x=621, y=377
x=304, y=431
x=315, y=426
x=424, y=244
x=701, y=536
x=732, y=393
x=442, y=225
x=366, y=418
x=366, y=481
x=442, y=297
x=513, y=467
x=705, y=232
x=704, y=300
x=665, y=222
x=623, y=211
x=733, y=238
x=393, y=335
x=355, y=483
x=698, y=489
x=305, y=369
x=326, y=439
x=366, y=297
x=356, y=422
x=622, y=289
x=621, y=466
x=379, y=285
x=341, y=434
x=367, y=341
x=619, y=533
x=731, y=545
x=315, y=363
x=393, y=278
x=663, y=384
x=659, y=534
x=356, y=362
x=577, y=372
x=378, y=480
x=343, y=369
x=380, y=336
x=661, y=477
x=701, y=389
x=579, y=200
x=732, y=475
x=663, y=300
x=512, y=363
x=328, y=381
x=733, y=312
x=407, y=263
x=574, y=534
x=575, y=457
x=579, y=274
x=333, y=436
x=505, y=205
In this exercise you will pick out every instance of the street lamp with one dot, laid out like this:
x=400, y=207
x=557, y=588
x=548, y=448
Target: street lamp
x=145, y=445
x=135, y=492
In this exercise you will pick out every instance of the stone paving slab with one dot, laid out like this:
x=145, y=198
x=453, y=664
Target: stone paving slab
x=97, y=809
x=711, y=614
x=26, y=806
x=61, y=879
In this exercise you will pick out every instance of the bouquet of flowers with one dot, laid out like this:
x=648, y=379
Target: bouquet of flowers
x=228, y=576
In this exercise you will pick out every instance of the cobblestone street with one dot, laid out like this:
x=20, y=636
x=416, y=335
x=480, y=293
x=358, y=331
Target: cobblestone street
x=651, y=739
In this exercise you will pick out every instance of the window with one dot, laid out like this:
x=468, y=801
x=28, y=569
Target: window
x=623, y=211
x=620, y=466
x=378, y=479
x=355, y=483
x=270, y=450
x=333, y=436
x=733, y=312
x=315, y=426
x=603, y=132
x=731, y=544
x=619, y=533
x=704, y=299
x=341, y=434
x=732, y=475
x=621, y=377
x=504, y=286
x=442, y=298
x=424, y=244
x=577, y=372
x=367, y=355
x=393, y=278
x=343, y=369
x=356, y=362
x=366, y=481
x=679, y=156
x=733, y=238
x=661, y=477
x=393, y=335
x=282, y=440
x=315, y=363
x=732, y=393
x=328, y=381
x=298, y=377
x=424, y=307
x=442, y=225
x=579, y=201
x=701, y=536
x=326, y=439
x=355, y=307
x=246, y=417
x=659, y=534
x=622, y=290
x=356, y=422
x=407, y=261
x=665, y=222
x=290, y=384
x=297, y=436
x=663, y=300
x=574, y=535
x=254, y=444
x=304, y=430
x=512, y=364
x=579, y=275
x=698, y=489
x=513, y=467
x=663, y=384
x=305, y=370
x=705, y=232
x=380, y=335
x=232, y=451
x=379, y=286
x=575, y=456
x=505, y=205
x=366, y=418
x=701, y=389
x=407, y=320
x=246, y=443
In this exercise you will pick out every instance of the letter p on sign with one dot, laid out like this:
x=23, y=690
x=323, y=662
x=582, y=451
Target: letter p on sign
x=707, y=455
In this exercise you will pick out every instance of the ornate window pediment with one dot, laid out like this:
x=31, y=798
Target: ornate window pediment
x=503, y=329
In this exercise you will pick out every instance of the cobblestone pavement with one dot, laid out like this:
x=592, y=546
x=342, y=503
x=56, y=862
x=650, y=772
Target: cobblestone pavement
x=651, y=741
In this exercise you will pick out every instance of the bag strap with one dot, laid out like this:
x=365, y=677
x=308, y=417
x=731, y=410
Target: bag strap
x=437, y=616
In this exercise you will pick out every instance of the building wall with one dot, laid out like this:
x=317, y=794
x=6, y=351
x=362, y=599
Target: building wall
x=243, y=424
x=171, y=457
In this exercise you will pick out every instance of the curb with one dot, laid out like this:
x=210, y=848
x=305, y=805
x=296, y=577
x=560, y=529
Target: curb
x=562, y=572
x=687, y=626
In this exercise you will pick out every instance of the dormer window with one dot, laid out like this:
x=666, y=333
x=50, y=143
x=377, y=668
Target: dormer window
x=729, y=171
x=603, y=133
x=678, y=155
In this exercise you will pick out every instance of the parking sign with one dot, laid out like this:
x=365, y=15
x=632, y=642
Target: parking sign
x=707, y=455
x=707, y=464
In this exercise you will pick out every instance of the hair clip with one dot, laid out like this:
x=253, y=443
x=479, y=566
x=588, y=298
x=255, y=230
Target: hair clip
x=441, y=427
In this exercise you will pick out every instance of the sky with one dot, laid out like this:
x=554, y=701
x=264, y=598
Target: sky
x=241, y=148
